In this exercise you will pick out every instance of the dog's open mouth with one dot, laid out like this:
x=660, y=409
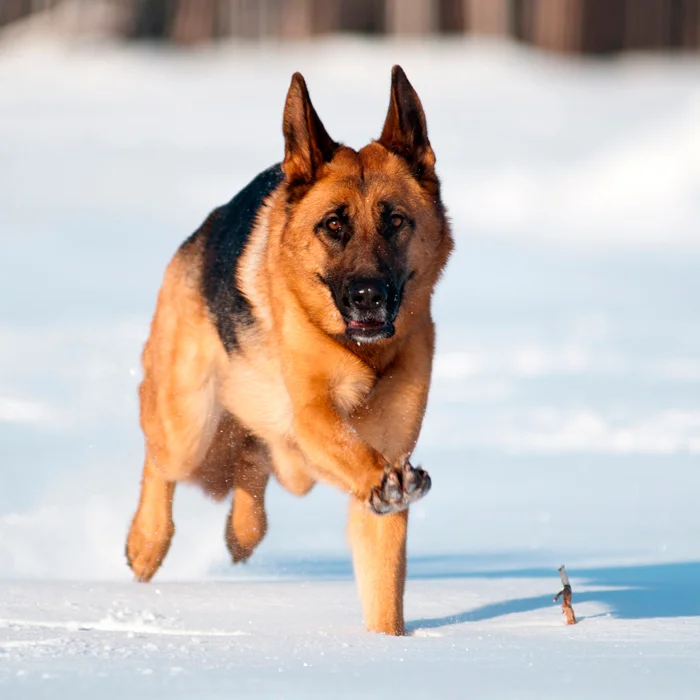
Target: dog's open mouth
x=369, y=331
x=366, y=325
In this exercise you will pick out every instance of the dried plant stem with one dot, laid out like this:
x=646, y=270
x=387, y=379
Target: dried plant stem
x=565, y=595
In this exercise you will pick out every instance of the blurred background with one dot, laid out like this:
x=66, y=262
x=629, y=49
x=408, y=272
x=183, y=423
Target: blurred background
x=571, y=26
x=564, y=418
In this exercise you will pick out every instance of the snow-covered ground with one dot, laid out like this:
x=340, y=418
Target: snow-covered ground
x=564, y=421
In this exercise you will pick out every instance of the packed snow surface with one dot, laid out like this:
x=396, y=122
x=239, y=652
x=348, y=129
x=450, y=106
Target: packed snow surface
x=564, y=418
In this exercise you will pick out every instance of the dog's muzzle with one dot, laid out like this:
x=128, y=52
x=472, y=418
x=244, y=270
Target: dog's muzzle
x=368, y=307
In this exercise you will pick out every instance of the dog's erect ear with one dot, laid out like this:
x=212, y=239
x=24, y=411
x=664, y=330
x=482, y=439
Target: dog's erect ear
x=405, y=132
x=307, y=145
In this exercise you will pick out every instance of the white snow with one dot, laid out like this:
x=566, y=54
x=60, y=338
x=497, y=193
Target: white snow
x=564, y=420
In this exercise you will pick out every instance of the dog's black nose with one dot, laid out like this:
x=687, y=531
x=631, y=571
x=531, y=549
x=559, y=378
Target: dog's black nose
x=367, y=294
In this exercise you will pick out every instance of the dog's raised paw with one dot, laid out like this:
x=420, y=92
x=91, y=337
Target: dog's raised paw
x=400, y=487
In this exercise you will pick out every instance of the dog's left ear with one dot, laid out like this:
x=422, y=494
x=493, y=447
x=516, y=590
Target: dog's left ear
x=405, y=132
x=307, y=145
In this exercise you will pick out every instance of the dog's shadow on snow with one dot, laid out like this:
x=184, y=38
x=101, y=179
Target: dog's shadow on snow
x=644, y=591
x=637, y=592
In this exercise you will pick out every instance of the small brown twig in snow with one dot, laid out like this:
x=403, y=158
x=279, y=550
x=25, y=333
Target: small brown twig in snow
x=566, y=600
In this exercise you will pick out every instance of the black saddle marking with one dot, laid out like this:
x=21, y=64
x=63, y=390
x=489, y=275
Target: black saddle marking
x=229, y=229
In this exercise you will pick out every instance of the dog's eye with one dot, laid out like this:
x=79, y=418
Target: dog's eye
x=396, y=221
x=333, y=224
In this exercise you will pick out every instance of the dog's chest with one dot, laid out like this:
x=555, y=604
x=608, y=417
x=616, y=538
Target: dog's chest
x=255, y=392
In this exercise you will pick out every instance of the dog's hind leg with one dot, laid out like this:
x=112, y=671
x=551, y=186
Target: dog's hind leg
x=247, y=521
x=179, y=410
x=239, y=462
x=152, y=528
x=173, y=453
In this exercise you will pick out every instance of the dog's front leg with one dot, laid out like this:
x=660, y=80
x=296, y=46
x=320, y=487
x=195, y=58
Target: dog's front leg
x=366, y=456
x=391, y=422
x=324, y=387
x=334, y=450
x=381, y=491
x=379, y=559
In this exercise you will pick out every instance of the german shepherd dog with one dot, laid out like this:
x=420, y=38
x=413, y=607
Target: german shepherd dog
x=293, y=337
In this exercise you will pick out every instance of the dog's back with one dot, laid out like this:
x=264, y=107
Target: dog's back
x=221, y=241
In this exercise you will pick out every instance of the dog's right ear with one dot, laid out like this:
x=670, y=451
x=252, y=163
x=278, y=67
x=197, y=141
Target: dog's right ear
x=307, y=145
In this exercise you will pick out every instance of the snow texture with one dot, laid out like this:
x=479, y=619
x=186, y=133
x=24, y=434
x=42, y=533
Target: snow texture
x=564, y=418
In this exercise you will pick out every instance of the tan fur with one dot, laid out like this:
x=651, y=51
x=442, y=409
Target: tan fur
x=297, y=399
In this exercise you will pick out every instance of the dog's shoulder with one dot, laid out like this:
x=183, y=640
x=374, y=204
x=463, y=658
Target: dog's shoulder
x=222, y=240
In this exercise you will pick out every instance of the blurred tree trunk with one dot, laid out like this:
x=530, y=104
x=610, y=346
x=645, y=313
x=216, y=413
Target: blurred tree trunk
x=194, y=21
x=249, y=19
x=451, y=16
x=296, y=19
x=365, y=16
x=12, y=10
x=411, y=17
x=325, y=16
x=557, y=25
x=647, y=24
x=40, y=5
x=688, y=23
x=488, y=16
x=523, y=19
x=603, y=26
x=151, y=18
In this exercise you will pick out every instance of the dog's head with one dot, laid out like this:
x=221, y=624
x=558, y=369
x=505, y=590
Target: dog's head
x=366, y=235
